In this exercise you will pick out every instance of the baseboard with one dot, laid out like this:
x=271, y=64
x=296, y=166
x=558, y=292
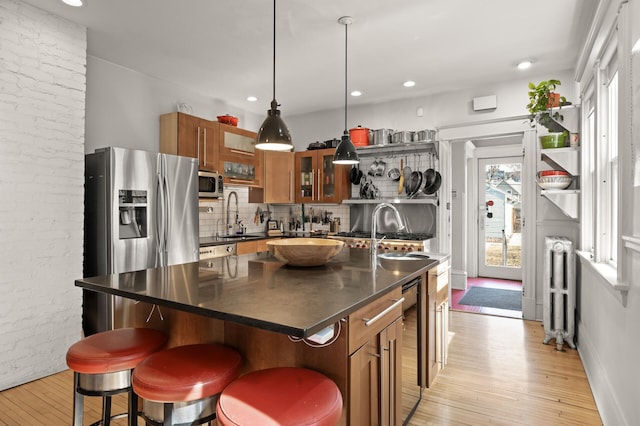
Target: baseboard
x=529, y=309
x=458, y=280
x=603, y=393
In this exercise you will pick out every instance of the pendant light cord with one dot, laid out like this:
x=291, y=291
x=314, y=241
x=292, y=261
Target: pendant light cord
x=274, y=57
x=345, y=78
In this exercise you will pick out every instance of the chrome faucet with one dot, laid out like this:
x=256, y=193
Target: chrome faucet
x=374, y=224
x=235, y=221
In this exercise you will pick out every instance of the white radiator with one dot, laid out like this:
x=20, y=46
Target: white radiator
x=559, y=288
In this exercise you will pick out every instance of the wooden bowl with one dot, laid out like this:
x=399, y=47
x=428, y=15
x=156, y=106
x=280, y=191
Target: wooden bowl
x=305, y=251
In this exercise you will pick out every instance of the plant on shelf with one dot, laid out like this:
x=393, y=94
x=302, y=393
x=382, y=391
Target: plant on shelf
x=542, y=97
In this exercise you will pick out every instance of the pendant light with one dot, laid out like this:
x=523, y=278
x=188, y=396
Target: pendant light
x=345, y=152
x=274, y=134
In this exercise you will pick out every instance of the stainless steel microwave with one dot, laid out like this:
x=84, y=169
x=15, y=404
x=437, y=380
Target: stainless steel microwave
x=210, y=184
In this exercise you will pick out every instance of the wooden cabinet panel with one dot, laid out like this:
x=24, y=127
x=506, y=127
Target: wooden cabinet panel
x=437, y=325
x=391, y=389
x=278, y=179
x=190, y=136
x=375, y=389
x=248, y=247
x=239, y=161
x=360, y=332
x=364, y=400
x=318, y=180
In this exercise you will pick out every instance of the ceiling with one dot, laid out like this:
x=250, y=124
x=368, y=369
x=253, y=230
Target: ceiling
x=224, y=49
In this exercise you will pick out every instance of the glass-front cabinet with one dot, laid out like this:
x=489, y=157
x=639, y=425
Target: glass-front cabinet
x=318, y=180
x=240, y=162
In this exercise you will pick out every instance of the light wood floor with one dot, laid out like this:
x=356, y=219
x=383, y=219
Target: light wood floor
x=499, y=373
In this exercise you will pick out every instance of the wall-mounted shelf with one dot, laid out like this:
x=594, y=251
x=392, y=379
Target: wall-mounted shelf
x=398, y=148
x=393, y=200
x=570, y=121
x=567, y=200
x=566, y=158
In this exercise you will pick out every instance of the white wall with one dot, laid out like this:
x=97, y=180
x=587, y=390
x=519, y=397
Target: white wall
x=124, y=107
x=42, y=109
x=607, y=329
x=438, y=110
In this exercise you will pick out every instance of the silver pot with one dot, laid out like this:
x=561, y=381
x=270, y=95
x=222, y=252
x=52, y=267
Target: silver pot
x=402, y=137
x=426, y=135
x=382, y=136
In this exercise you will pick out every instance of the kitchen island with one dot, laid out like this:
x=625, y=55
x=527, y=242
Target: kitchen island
x=265, y=309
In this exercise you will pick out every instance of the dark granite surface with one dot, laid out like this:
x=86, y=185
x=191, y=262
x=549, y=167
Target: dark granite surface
x=259, y=291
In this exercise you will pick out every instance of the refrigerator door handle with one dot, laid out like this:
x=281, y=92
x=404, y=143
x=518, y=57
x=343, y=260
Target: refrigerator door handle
x=167, y=212
x=161, y=214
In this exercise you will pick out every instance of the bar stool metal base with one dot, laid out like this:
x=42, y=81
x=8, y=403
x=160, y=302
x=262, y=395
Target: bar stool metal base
x=103, y=385
x=195, y=412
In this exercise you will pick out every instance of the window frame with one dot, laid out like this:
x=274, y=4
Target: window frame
x=600, y=175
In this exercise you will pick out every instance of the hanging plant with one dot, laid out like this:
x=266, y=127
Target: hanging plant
x=542, y=97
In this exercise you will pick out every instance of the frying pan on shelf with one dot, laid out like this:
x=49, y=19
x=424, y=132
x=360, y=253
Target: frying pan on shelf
x=433, y=188
x=429, y=176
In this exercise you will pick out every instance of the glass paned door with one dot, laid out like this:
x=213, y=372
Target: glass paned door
x=500, y=224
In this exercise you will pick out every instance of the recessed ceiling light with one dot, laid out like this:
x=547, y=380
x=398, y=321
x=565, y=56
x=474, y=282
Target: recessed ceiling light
x=523, y=65
x=409, y=83
x=75, y=3
x=252, y=98
x=356, y=93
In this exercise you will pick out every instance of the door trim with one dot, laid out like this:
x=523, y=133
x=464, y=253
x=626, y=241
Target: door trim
x=495, y=128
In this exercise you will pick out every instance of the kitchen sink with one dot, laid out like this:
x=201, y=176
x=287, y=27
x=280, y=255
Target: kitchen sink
x=404, y=256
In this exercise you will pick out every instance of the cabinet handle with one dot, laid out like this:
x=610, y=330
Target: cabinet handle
x=198, y=143
x=319, y=183
x=237, y=151
x=290, y=186
x=396, y=302
x=204, y=145
x=384, y=415
x=313, y=185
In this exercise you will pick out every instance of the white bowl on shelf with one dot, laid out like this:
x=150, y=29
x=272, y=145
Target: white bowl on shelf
x=554, y=182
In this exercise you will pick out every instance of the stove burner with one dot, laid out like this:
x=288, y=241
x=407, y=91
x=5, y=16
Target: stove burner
x=414, y=236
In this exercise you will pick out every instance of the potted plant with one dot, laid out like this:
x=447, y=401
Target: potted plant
x=542, y=97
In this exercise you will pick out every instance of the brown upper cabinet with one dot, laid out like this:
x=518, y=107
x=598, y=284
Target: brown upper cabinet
x=318, y=180
x=189, y=136
x=240, y=162
x=278, y=179
x=218, y=147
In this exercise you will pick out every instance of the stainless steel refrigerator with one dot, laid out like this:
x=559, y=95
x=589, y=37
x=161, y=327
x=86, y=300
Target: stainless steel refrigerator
x=141, y=211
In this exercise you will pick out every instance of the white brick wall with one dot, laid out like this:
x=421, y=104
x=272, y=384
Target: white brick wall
x=42, y=110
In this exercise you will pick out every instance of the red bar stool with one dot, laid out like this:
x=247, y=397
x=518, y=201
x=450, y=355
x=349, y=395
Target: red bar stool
x=102, y=365
x=280, y=396
x=181, y=385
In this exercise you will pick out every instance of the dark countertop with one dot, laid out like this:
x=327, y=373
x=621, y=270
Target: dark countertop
x=259, y=291
x=238, y=238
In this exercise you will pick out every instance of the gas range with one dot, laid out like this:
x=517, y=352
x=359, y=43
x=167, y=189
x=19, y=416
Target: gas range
x=389, y=242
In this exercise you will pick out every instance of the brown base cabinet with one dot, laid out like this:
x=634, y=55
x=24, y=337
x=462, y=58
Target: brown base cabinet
x=375, y=363
x=437, y=323
x=376, y=379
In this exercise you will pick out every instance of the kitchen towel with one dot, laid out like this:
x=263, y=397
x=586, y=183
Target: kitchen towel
x=493, y=298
